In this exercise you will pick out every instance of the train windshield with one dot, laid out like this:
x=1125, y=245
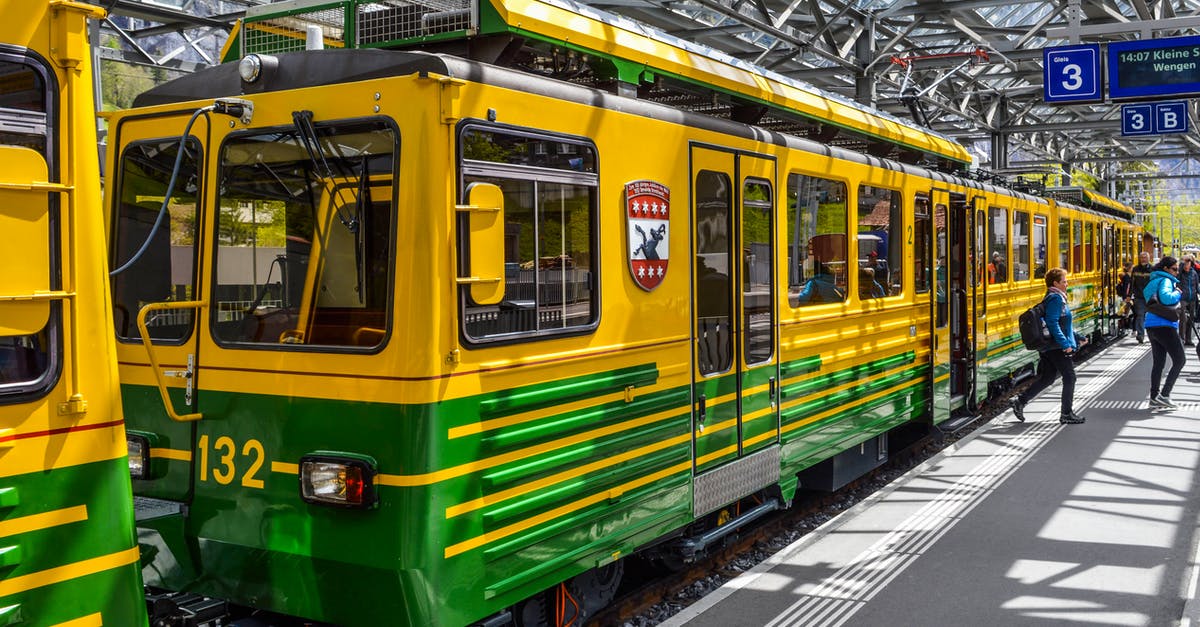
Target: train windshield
x=304, y=236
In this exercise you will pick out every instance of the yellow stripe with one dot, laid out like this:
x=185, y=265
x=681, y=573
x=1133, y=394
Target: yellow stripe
x=45, y=520
x=516, y=419
x=843, y=387
x=63, y=450
x=825, y=414
x=60, y=574
x=92, y=620
x=171, y=453
x=563, y=476
x=284, y=467
x=614, y=493
x=429, y=478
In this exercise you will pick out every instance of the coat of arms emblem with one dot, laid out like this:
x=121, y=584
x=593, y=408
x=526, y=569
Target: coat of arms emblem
x=647, y=209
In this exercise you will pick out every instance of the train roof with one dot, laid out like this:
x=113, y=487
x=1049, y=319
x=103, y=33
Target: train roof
x=1084, y=197
x=601, y=48
x=298, y=70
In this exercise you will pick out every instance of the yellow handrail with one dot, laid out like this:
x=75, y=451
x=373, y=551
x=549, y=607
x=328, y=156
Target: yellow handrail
x=158, y=373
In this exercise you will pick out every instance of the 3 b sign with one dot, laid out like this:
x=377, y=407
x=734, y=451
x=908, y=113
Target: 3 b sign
x=1154, y=119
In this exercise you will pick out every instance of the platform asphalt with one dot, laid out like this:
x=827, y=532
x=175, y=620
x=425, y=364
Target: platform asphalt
x=1031, y=523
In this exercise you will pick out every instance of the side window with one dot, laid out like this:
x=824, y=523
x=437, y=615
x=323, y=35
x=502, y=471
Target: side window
x=30, y=332
x=304, y=240
x=156, y=250
x=1020, y=260
x=1064, y=243
x=922, y=246
x=550, y=209
x=758, y=294
x=1089, y=246
x=714, y=232
x=997, y=234
x=1079, y=246
x=940, y=271
x=816, y=233
x=1039, y=246
x=880, y=242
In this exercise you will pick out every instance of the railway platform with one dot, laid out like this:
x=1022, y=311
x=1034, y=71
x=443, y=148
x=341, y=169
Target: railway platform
x=1019, y=523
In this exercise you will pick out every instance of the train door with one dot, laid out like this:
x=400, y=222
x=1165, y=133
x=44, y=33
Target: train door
x=976, y=386
x=953, y=340
x=155, y=240
x=735, y=414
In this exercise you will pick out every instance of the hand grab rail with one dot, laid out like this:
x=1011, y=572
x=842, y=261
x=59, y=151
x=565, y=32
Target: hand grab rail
x=159, y=375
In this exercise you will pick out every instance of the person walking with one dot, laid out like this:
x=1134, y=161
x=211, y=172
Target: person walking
x=1162, y=295
x=1189, y=282
x=1140, y=276
x=1055, y=359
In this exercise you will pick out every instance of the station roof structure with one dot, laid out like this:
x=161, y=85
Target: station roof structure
x=967, y=69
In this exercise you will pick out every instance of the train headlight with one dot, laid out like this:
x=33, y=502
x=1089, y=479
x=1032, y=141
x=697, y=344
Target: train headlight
x=338, y=480
x=250, y=68
x=253, y=66
x=139, y=455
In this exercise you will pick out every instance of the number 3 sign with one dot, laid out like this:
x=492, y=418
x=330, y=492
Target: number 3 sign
x=1072, y=74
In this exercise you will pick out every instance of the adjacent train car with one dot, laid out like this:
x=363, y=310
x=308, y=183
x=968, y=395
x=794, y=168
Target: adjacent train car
x=420, y=340
x=68, y=555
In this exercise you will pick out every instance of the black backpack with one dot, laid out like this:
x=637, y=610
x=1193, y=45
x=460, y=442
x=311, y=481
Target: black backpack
x=1032, y=324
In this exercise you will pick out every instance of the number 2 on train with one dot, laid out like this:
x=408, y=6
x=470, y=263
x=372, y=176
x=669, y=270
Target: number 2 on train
x=226, y=468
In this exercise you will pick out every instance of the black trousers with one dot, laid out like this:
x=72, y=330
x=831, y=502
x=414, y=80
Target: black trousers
x=1165, y=341
x=1052, y=363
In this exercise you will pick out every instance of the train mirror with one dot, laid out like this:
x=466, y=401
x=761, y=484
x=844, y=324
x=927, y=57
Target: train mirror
x=25, y=201
x=485, y=225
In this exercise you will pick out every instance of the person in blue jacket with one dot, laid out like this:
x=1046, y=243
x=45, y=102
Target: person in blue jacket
x=820, y=288
x=1163, y=329
x=1055, y=359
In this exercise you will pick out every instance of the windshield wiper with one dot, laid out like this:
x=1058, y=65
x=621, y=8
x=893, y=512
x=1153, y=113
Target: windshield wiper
x=307, y=133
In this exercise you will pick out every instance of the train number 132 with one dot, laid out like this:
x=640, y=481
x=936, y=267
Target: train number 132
x=227, y=461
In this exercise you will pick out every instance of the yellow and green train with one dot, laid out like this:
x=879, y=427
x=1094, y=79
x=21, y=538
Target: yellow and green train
x=68, y=554
x=408, y=338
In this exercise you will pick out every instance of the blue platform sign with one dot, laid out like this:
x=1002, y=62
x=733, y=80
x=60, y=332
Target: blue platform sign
x=1171, y=117
x=1152, y=68
x=1157, y=118
x=1072, y=74
x=1137, y=119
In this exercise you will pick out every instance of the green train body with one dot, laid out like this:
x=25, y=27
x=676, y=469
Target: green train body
x=421, y=369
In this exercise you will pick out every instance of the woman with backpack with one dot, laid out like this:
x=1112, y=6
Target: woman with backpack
x=1162, y=327
x=1055, y=358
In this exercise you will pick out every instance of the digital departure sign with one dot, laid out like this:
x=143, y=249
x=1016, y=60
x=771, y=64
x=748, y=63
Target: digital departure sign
x=1154, y=67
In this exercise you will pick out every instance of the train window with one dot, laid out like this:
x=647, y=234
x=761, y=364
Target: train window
x=757, y=255
x=1039, y=246
x=816, y=232
x=997, y=234
x=714, y=228
x=158, y=254
x=305, y=235
x=942, y=243
x=1089, y=246
x=30, y=332
x=1020, y=260
x=880, y=232
x=551, y=211
x=1077, y=256
x=1064, y=243
x=922, y=249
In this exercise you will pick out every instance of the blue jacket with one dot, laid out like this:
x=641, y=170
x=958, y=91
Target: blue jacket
x=1188, y=283
x=1167, y=287
x=820, y=289
x=1059, y=322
